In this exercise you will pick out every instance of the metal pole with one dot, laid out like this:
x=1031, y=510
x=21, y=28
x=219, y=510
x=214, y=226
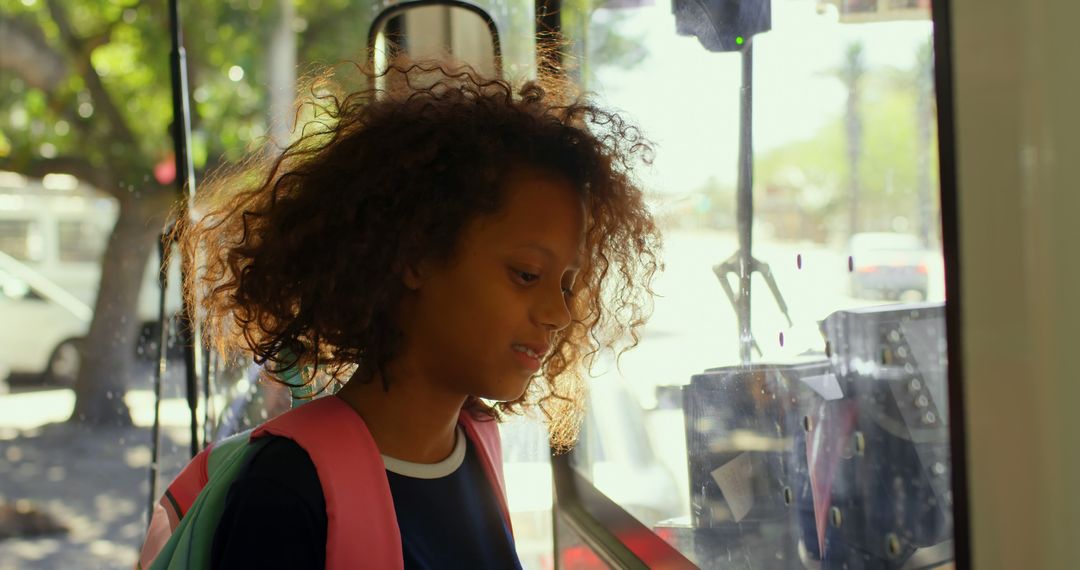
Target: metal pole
x=185, y=179
x=159, y=373
x=745, y=202
x=209, y=377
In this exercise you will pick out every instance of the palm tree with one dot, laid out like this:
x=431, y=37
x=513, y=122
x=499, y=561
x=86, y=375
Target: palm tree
x=852, y=74
x=924, y=116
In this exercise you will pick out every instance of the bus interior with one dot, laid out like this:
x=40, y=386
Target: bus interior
x=859, y=355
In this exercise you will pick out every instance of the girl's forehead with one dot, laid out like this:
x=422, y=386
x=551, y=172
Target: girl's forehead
x=539, y=209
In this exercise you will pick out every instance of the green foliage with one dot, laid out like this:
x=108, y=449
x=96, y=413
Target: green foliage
x=810, y=176
x=596, y=40
x=129, y=49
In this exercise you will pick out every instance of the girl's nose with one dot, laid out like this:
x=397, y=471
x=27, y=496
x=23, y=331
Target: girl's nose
x=552, y=312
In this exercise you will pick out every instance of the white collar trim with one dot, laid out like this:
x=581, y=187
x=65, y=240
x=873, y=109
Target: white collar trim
x=430, y=470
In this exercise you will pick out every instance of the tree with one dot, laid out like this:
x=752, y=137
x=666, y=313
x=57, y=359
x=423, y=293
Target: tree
x=89, y=84
x=896, y=162
x=101, y=71
x=851, y=73
x=593, y=28
x=923, y=81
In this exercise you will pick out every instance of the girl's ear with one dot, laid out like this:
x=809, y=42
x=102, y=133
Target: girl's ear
x=412, y=275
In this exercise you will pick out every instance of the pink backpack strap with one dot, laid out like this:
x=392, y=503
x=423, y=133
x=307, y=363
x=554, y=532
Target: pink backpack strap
x=173, y=505
x=351, y=475
x=484, y=432
x=183, y=490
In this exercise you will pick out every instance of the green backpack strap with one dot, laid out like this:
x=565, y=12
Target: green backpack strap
x=293, y=377
x=189, y=546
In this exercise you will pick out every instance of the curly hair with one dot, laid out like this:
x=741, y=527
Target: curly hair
x=300, y=252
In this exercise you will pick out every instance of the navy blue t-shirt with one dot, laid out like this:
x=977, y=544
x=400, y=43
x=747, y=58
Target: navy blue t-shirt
x=448, y=516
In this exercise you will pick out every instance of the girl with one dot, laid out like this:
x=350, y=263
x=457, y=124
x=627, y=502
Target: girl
x=450, y=250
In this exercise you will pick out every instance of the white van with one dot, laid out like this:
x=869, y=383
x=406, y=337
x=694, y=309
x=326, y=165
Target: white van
x=53, y=232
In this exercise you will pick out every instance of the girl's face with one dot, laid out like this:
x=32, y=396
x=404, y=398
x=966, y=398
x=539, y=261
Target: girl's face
x=481, y=324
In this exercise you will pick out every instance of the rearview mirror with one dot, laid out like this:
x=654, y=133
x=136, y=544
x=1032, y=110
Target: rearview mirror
x=435, y=31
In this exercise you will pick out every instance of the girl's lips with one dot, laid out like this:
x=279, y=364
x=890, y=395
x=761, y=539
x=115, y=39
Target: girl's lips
x=527, y=362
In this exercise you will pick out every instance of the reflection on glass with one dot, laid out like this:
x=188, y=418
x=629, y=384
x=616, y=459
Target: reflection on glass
x=79, y=218
x=831, y=449
x=838, y=462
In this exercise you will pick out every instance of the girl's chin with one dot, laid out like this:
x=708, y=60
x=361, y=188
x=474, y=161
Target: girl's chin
x=507, y=391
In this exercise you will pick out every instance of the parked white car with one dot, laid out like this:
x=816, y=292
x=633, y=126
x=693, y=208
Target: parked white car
x=53, y=232
x=43, y=324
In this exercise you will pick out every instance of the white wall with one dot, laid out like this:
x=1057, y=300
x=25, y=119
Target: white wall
x=1017, y=81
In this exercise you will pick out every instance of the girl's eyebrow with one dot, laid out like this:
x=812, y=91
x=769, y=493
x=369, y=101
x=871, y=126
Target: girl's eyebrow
x=547, y=252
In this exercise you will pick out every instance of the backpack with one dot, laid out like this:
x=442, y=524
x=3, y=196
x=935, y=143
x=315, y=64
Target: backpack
x=361, y=521
x=191, y=524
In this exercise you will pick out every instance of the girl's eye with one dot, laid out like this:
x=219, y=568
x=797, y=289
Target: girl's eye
x=526, y=277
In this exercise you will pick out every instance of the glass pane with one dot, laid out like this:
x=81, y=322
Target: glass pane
x=85, y=156
x=243, y=90
x=84, y=192
x=830, y=447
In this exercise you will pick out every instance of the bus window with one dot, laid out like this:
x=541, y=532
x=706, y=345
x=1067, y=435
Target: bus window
x=816, y=436
x=88, y=175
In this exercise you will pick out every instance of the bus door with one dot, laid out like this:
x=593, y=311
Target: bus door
x=788, y=405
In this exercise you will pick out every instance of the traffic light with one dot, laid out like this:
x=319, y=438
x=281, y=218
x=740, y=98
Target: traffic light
x=722, y=25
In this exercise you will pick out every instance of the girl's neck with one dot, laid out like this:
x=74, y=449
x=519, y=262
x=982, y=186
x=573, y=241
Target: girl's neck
x=409, y=421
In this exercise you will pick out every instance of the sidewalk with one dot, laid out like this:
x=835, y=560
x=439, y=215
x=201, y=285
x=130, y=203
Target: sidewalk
x=94, y=481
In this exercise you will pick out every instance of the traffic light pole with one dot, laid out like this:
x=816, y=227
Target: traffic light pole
x=744, y=204
x=743, y=264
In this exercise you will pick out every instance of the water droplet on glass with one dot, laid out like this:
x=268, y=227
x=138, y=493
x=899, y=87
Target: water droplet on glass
x=798, y=261
x=922, y=401
x=894, y=335
x=860, y=443
x=915, y=385
x=781, y=338
x=850, y=264
x=902, y=352
x=939, y=468
x=835, y=517
x=930, y=418
x=892, y=544
x=109, y=395
x=789, y=497
x=807, y=424
x=828, y=349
